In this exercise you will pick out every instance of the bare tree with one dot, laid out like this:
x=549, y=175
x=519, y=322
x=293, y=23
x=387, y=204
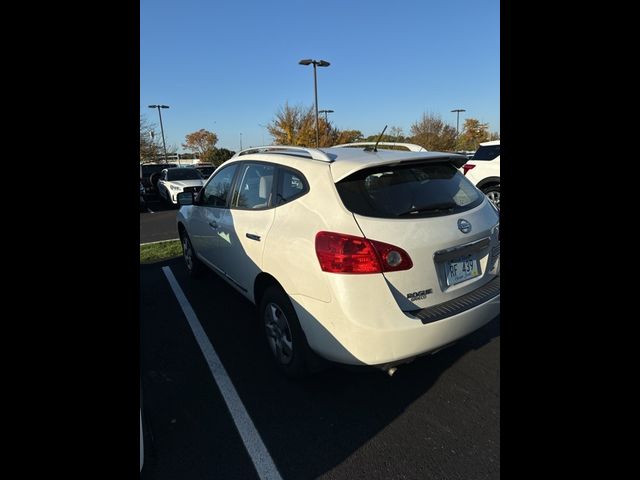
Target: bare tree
x=149, y=141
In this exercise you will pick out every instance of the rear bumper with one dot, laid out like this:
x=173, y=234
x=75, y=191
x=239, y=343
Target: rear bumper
x=377, y=332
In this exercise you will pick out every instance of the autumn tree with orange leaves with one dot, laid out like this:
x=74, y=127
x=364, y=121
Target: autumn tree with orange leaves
x=202, y=143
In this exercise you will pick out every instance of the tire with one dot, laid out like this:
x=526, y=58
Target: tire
x=153, y=180
x=195, y=267
x=283, y=334
x=493, y=193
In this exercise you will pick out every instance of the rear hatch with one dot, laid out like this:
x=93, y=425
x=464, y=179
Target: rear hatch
x=432, y=212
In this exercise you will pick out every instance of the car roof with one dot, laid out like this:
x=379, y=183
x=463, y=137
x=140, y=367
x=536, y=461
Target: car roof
x=491, y=143
x=345, y=161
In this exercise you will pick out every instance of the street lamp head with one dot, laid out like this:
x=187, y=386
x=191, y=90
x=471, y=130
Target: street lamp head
x=322, y=63
x=459, y=110
x=164, y=106
x=153, y=106
x=329, y=111
x=307, y=61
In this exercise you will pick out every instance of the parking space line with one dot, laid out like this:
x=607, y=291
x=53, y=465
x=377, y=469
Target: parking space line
x=160, y=241
x=262, y=461
x=150, y=211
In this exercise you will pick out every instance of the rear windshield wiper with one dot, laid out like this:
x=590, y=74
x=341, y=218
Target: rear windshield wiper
x=438, y=207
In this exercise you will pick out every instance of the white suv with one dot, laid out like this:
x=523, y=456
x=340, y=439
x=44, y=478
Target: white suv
x=359, y=256
x=180, y=179
x=483, y=170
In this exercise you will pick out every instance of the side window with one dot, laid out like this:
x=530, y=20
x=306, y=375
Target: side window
x=216, y=192
x=292, y=185
x=254, y=187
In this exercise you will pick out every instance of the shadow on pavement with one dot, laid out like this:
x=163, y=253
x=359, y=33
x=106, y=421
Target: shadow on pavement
x=410, y=425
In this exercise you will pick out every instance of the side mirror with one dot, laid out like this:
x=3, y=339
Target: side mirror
x=185, y=198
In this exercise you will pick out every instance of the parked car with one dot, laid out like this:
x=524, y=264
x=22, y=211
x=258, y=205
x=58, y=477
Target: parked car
x=150, y=174
x=351, y=255
x=143, y=202
x=180, y=179
x=205, y=169
x=483, y=170
x=412, y=147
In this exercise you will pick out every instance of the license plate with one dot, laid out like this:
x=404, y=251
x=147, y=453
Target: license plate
x=462, y=269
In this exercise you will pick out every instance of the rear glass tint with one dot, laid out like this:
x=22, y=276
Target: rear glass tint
x=487, y=152
x=408, y=191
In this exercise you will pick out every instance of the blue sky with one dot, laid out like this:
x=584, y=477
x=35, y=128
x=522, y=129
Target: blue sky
x=229, y=65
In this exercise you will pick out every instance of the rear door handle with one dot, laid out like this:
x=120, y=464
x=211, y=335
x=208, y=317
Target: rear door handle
x=213, y=224
x=253, y=236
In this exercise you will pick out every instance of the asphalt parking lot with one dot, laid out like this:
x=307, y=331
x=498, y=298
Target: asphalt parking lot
x=158, y=222
x=436, y=418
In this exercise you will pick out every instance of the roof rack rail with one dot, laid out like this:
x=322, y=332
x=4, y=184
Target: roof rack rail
x=314, y=153
x=412, y=147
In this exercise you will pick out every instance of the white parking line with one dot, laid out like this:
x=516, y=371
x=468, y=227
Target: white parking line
x=160, y=241
x=150, y=211
x=262, y=461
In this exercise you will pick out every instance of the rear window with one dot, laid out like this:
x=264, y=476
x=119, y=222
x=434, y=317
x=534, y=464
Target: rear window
x=487, y=152
x=408, y=191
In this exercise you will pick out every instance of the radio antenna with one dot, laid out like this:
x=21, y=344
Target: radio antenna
x=375, y=147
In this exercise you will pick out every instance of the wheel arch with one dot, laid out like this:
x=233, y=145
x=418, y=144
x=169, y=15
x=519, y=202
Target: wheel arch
x=488, y=182
x=261, y=283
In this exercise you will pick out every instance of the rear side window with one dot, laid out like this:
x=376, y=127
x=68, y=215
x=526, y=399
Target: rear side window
x=292, y=185
x=487, y=152
x=408, y=191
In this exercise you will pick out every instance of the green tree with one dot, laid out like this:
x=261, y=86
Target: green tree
x=221, y=155
x=202, y=143
x=473, y=134
x=432, y=133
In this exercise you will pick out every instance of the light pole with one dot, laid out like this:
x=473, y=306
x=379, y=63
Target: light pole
x=162, y=129
x=266, y=128
x=457, y=111
x=318, y=63
x=240, y=141
x=325, y=115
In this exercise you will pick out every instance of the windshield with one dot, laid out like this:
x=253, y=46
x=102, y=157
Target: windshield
x=183, y=174
x=206, y=171
x=408, y=191
x=487, y=152
x=149, y=169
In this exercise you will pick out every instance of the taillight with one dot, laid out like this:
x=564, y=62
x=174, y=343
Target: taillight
x=467, y=166
x=341, y=253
